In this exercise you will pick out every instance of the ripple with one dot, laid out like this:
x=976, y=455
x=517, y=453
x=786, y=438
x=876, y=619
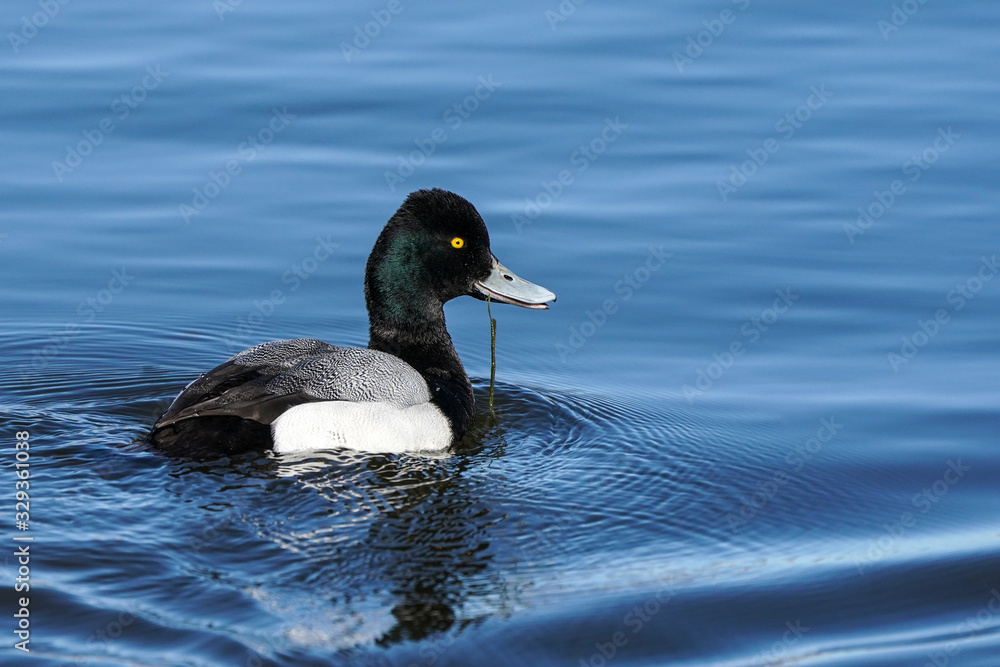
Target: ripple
x=554, y=500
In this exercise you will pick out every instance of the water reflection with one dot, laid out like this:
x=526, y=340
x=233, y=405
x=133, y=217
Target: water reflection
x=423, y=534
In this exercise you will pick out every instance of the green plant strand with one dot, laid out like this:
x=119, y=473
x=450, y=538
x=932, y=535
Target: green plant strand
x=493, y=350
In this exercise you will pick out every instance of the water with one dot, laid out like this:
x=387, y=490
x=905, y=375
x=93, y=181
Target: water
x=716, y=448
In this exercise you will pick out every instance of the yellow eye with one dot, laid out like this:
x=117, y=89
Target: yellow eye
x=457, y=242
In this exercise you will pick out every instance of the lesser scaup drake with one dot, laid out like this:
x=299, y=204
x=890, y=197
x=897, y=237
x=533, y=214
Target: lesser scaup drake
x=407, y=391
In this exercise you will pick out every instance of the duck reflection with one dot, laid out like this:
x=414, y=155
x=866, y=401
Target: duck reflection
x=421, y=530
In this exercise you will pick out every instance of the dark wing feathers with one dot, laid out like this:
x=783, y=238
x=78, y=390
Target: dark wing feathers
x=265, y=380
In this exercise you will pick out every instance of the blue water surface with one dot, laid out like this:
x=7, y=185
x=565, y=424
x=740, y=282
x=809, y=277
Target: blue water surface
x=758, y=427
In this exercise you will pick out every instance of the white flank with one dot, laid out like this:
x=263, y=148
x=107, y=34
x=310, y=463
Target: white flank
x=366, y=427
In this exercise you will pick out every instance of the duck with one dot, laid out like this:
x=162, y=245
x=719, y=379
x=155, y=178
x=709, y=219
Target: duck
x=406, y=392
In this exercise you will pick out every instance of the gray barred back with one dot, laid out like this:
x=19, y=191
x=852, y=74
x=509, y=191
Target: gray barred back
x=330, y=373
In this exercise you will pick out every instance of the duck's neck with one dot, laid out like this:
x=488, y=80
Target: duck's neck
x=422, y=341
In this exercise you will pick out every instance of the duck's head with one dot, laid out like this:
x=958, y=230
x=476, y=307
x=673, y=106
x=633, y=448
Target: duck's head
x=436, y=248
